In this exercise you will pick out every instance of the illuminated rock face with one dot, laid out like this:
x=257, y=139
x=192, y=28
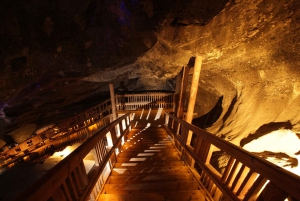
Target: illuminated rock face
x=58, y=57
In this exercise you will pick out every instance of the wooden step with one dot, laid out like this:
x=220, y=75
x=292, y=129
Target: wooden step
x=149, y=167
x=143, y=159
x=137, y=151
x=150, y=178
x=149, y=187
x=149, y=163
x=192, y=195
x=150, y=154
x=147, y=145
x=150, y=170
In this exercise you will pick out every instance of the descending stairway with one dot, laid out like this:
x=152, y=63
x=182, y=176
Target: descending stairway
x=149, y=167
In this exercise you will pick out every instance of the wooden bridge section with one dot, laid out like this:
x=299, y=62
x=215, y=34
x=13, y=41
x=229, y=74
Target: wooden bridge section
x=143, y=156
x=149, y=166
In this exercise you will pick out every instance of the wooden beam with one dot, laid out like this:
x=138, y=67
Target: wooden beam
x=182, y=93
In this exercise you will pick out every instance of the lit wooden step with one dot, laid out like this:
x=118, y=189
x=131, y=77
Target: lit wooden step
x=153, y=154
x=138, y=151
x=141, y=145
x=193, y=195
x=152, y=158
x=150, y=163
x=150, y=178
x=149, y=187
x=150, y=170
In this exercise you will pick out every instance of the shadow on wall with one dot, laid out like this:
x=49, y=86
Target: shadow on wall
x=211, y=117
x=265, y=129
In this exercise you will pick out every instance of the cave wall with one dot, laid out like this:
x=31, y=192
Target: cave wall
x=62, y=53
x=251, y=58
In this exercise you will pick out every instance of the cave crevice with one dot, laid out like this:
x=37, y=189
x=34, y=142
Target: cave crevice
x=265, y=129
x=211, y=117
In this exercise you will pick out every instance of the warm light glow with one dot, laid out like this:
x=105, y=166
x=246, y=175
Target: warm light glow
x=123, y=141
x=117, y=151
x=129, y=164
x=158, y=114
x=283, y=140
x=142, y=114
x=138, y=159
x=64, y=152
x=145, y=154
x=120, y=170
x=92, y=127
x=148, y=113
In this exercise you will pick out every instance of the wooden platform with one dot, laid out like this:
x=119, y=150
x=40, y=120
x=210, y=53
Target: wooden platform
x=149, y=167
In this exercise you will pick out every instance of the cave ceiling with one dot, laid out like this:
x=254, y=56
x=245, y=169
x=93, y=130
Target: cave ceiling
x=57, y=58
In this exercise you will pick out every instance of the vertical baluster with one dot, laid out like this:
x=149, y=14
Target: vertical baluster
x=232, y=172
x=237, y=177
x=245, y=181
x=82, y=173
x=77, y=182
x=66, y=191
x=81, y=180
x=256, y=187
x=213, y=190
x=227, y=169
x=71, y=188
x=99, y=157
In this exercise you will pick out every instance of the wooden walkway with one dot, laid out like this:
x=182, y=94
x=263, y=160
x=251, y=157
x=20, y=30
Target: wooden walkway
x=149, y=167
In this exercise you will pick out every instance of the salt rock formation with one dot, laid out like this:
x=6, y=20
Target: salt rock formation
x=57, y=58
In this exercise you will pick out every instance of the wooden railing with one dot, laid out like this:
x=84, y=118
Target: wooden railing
x=86, y=118
x=144, y=101
x=56, y=137
x=69, y=180
x=244, y=176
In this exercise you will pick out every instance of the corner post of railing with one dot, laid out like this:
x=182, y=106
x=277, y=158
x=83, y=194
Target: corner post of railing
x=184, y=134
x=193, y=94
x=113, y=101
x=166, y=117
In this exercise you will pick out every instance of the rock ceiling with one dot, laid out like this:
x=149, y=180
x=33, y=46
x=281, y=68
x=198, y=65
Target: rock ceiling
x=58, y=56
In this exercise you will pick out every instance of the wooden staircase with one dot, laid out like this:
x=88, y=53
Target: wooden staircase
x=149, y=167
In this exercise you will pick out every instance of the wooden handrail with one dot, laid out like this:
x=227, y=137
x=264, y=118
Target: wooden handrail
x=61, y=174
x=79, y=121
x=282, y=178
x=144, y=100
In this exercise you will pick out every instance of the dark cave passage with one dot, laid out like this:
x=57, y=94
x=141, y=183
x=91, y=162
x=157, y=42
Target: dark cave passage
x=211, y=117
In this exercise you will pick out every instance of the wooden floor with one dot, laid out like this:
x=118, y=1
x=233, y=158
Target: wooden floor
x=149, y=167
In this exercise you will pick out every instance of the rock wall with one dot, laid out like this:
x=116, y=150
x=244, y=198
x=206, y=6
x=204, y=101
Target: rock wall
x=57, y=55
x=251, y=58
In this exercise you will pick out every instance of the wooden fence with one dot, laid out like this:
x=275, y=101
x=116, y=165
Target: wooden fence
x=85, y=118
x=244, y=176
x=69, y=180
x=144, y=101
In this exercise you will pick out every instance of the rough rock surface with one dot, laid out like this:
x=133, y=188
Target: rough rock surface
x=57, y=57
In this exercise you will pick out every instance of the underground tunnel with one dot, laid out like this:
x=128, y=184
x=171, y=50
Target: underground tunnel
x=57, y=58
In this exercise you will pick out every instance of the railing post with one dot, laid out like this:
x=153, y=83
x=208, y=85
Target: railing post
x=193, y=94
x=182, y=93
x=113, y=101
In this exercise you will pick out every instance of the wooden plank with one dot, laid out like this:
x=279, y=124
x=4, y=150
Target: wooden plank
x=232, y=172
x=282, y=178
x=249, y=174
x=228, y=169
x=50, y=181
x=237, y=177
x=259, y=182
x=192, y=195
x=66, y=191
x=72, y=187
x=83, y=174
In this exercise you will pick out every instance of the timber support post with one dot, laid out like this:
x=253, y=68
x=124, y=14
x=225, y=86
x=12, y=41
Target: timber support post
x=193, y=94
